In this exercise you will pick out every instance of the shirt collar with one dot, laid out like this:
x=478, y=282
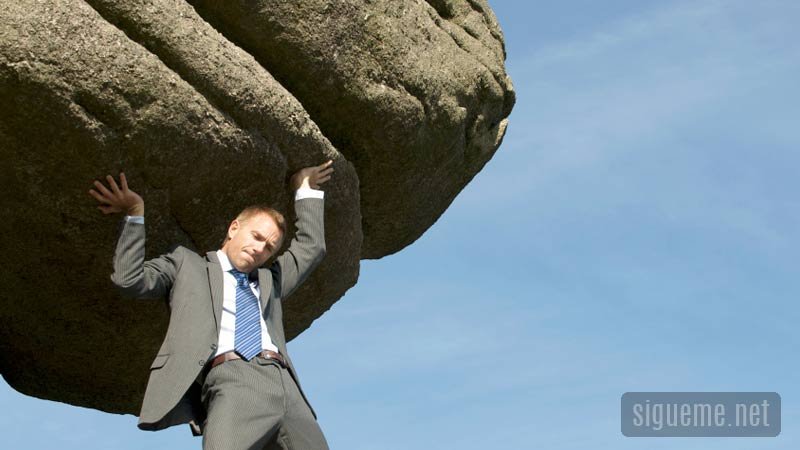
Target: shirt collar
x=224, y=261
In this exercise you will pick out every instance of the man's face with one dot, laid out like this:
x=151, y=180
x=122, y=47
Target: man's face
x=252, y=242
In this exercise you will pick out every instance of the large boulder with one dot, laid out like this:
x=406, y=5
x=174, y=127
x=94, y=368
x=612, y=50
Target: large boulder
x=414, y=95
x=207, y=107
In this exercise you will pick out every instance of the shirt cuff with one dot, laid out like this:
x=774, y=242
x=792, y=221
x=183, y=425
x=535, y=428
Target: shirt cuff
x=134, y=219
x=306, y=192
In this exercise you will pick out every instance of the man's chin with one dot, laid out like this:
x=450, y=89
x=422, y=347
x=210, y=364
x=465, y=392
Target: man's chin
x=243, y=266
x=247, y=260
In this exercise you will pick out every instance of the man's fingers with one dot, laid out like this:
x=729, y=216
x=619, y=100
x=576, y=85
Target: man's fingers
x=98, y=197
x=313, y=175
x=102, y=189
x=123, y=181
x=325, y=164
x=113, y=184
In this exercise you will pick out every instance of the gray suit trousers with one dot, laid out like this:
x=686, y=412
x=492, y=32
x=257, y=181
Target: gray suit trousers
x=256, y=405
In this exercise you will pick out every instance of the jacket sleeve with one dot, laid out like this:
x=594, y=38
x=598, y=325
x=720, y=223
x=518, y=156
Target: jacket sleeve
x=306, y=250
x=137, y=278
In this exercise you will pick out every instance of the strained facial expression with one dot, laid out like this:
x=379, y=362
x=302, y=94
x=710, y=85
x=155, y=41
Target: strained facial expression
x=252, y=241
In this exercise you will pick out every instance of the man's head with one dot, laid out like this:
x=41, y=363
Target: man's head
x=255, y=234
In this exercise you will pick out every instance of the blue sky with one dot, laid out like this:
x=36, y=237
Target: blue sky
x=637, y=231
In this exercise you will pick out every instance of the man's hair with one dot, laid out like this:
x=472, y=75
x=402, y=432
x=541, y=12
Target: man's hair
x=255, y=210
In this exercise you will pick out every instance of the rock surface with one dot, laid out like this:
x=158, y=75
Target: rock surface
x=210, y=106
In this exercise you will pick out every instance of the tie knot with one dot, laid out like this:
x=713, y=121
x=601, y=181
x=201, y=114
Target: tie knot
x=241, y=277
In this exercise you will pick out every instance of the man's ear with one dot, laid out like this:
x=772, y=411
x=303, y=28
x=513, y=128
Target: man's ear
x=280, y=244
x=233, y=228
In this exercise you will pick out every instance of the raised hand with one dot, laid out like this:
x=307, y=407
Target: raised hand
x=116, y=198
x=312, y=176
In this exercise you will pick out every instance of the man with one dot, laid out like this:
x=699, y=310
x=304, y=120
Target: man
x=223, y=365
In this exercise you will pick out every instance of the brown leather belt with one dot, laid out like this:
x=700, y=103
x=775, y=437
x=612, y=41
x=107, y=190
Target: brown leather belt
x=228, y=356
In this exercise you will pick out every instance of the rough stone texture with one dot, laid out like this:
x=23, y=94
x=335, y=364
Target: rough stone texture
x=415, y=101
x=210, y=106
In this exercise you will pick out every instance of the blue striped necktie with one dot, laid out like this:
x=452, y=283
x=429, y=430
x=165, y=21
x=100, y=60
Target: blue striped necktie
x=247, y=334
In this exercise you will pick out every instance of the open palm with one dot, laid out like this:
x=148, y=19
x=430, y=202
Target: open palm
x=117, y=198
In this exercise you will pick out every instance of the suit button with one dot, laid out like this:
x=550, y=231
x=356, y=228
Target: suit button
x=201, y=362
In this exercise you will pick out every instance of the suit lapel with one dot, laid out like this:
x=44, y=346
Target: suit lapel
x=270, y=315
x=215, y=285
x=265, y=286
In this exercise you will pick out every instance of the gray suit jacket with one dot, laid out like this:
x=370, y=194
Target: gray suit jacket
x=193, y=285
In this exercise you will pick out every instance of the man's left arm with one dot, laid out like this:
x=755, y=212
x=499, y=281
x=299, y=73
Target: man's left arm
x=307, y=248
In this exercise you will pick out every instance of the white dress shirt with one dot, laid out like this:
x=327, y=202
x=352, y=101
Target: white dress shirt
x=228, y=320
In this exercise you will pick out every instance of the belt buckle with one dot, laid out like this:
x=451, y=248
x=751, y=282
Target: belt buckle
x=279, y=360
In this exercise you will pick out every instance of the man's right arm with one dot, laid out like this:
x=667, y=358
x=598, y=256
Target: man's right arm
x=136, y=277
